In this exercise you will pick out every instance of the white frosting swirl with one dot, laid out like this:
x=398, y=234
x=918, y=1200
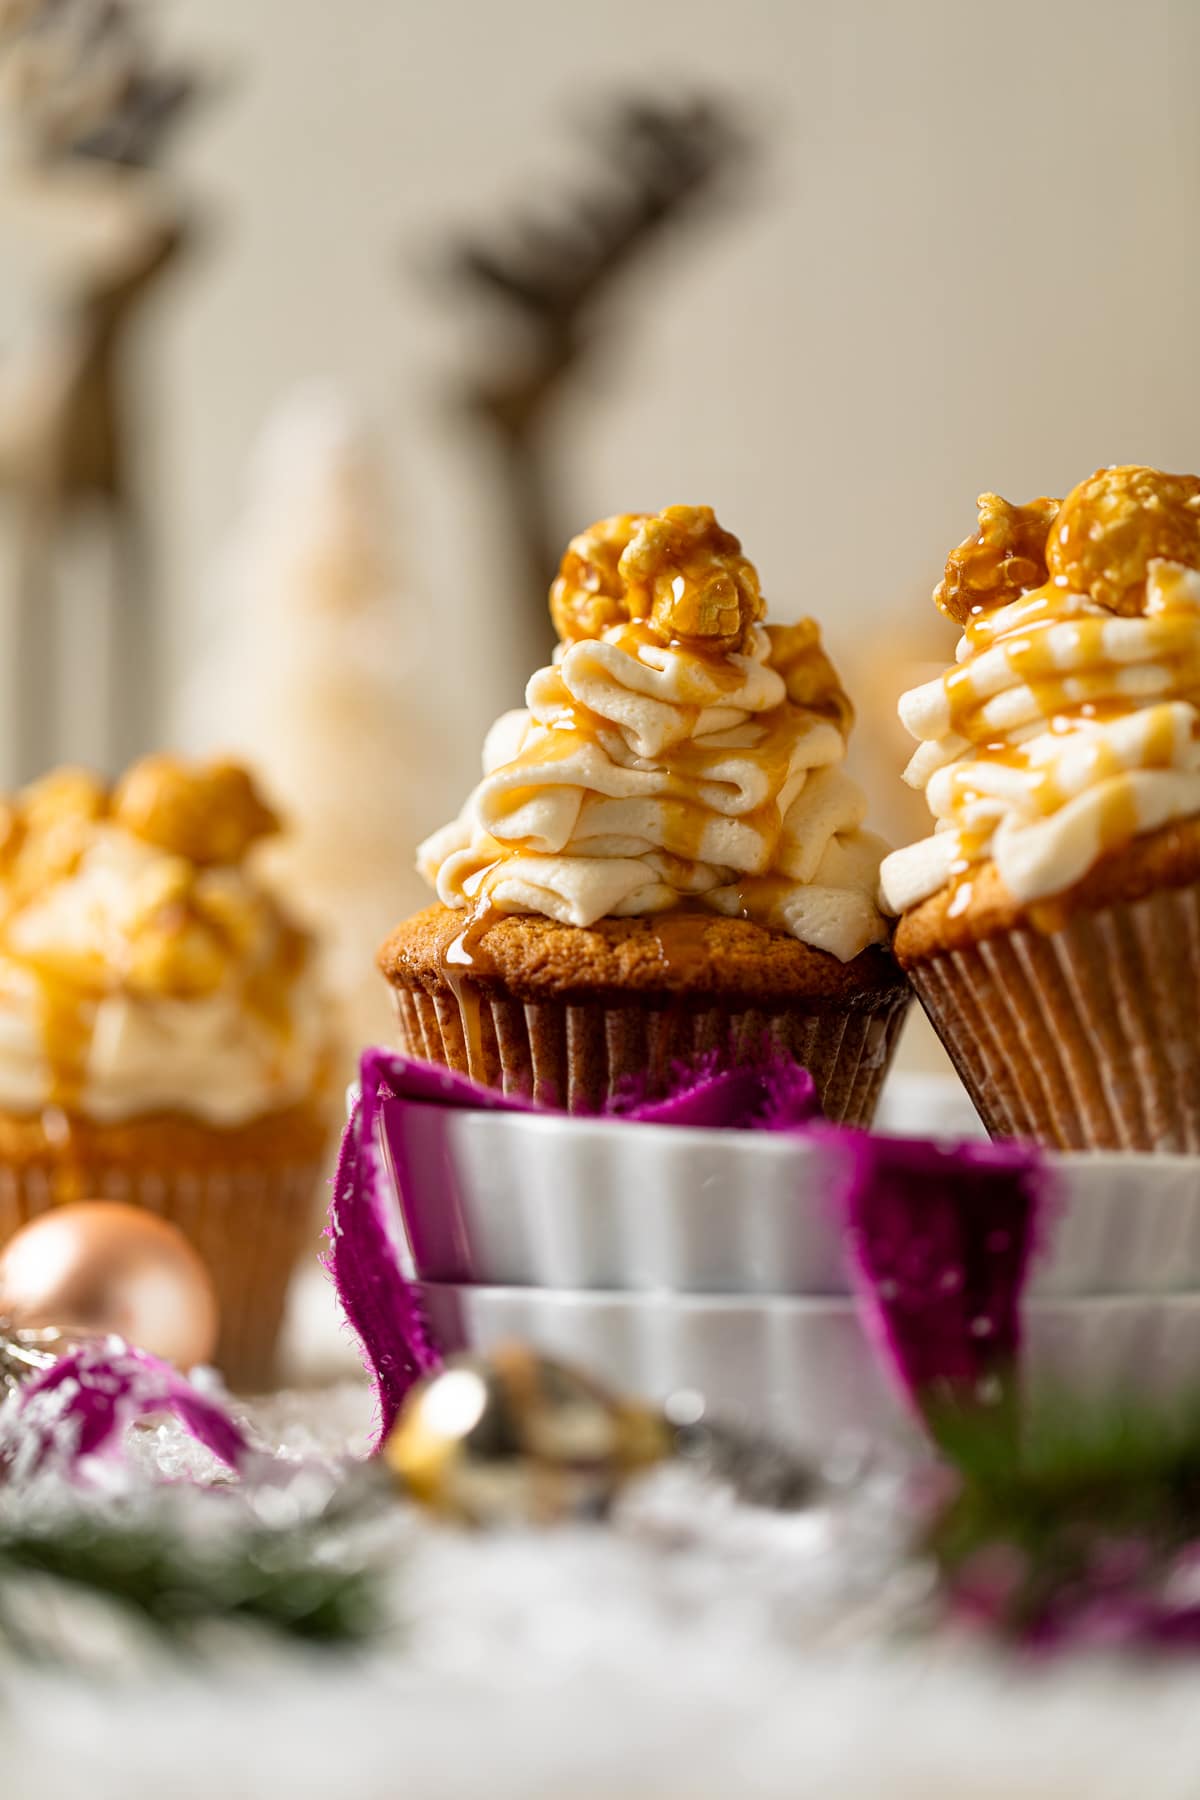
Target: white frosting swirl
x=642, y=776
x=77, y=1030
x=1063, y=732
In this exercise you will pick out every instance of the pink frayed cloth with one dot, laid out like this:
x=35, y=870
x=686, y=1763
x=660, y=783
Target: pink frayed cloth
x=938, y=1238
x=366, y=1258
x=79, y=1409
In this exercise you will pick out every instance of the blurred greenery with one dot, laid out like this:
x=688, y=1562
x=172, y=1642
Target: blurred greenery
x=173, y=1578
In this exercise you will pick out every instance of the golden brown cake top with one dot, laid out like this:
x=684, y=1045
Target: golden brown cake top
x=1167, y=858
x=694, y=955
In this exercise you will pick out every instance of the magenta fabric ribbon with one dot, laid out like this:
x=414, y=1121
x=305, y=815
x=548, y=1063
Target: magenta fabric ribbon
x=939, y=1238
x=81, y=1406
x=366, y=1257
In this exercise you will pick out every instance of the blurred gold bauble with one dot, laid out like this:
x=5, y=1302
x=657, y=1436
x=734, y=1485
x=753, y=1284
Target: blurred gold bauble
x=517, y=1438
x=102, y=1267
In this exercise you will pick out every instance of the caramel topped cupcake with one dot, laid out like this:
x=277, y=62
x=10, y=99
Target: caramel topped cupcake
x=162, y=1030
x=142, y=968
x=1047, y=921
x=665, y=854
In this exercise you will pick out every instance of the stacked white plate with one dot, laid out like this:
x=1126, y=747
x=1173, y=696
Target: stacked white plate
x=668, y=1258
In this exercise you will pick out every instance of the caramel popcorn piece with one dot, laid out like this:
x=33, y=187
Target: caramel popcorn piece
x=810, y=678
x=1000, y=561
x=588, y=594
x=177, y=955
x=48, y=828
x=1112, y=526
x=64, y=794
x=676, y=571
x=173, y=949
x=190, y=928
x=687, y=577
x=208, y=813
x=166, y=885
x=242, y=917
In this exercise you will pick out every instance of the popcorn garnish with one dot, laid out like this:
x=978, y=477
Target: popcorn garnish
x=1000, y=561
x=588, y=594
x=678, y=572
x=210, y=813
x=1112, y=526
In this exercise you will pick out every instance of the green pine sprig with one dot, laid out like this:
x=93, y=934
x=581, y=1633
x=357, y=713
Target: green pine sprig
x=283, y=1581
x=1089, y=1500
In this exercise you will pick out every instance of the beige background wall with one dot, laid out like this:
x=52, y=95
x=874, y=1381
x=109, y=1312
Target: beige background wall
x=971, y=261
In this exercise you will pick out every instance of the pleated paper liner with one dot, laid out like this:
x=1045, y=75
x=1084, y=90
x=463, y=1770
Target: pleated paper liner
x=578, y=1056
x=243, y=1198
x=1084, y=1038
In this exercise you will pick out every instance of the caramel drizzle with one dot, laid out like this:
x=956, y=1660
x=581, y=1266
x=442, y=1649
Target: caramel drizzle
x=467, y=961
x=70, y=987
x=68, y=992
x=1068, y=701
x=684, y=769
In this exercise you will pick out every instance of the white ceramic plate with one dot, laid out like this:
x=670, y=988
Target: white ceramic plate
x=802, y=1368
x=537, y=1201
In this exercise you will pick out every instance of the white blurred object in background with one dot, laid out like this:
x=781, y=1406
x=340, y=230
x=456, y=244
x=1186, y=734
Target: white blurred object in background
x=309, y=682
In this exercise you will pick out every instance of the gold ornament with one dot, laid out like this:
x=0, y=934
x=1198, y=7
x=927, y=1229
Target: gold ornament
x=516, y=1437
x=25, y=1352
x=100, y=1267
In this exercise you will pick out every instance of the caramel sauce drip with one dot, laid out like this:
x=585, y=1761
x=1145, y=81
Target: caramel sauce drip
x=1035, y=652
x=68, y=993
x=682, y=816
x=681, y=940
x=467, y=960
x=566, y=727
x=1067, y=700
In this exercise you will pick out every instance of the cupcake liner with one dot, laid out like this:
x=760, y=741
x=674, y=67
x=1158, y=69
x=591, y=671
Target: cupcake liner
x=250, y=1226
x=1083, y=1038
x=579, y=1056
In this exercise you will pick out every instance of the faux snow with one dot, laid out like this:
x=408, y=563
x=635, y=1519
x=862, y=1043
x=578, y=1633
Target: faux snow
x=692, y=1647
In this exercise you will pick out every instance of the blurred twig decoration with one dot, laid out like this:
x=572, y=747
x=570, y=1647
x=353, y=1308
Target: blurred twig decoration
x=84, y=218
x=552, y=275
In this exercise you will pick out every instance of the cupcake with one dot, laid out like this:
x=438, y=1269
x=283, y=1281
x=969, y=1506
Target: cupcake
x=162, y=1034
x=665, y=858
x=1051, y=922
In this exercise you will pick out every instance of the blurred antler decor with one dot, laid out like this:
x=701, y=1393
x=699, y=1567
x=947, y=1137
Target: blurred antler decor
x=552, y=276
x=86, y=226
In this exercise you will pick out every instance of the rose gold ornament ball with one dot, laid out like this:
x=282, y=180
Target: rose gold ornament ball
x=99, y=1266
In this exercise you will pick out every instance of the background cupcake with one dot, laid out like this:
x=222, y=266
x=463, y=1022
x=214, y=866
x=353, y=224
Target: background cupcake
x=1052, y=922
x=162, y=1033
x=665, y=857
